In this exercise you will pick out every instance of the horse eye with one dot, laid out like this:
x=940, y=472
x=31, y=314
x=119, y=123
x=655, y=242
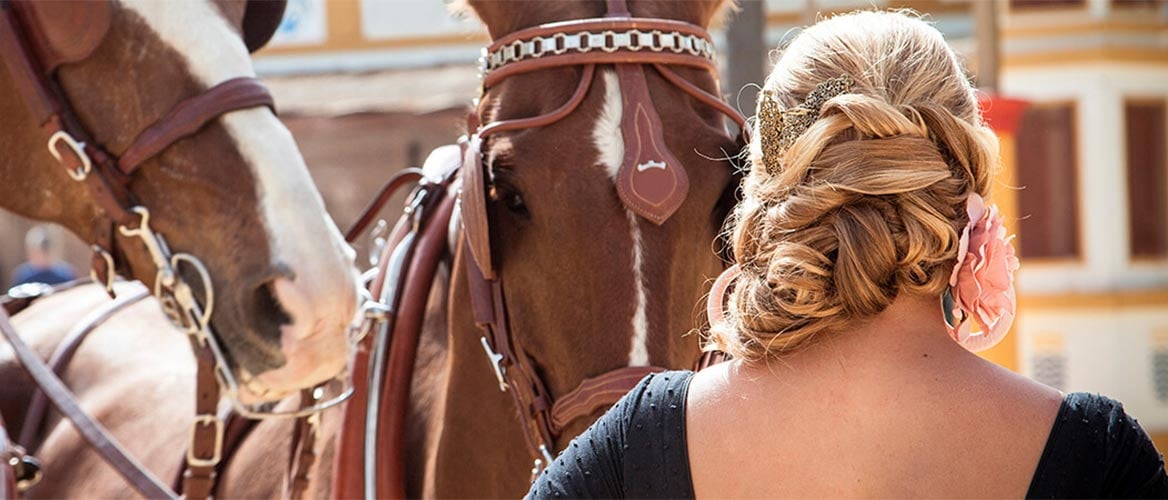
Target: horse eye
x=514, y=202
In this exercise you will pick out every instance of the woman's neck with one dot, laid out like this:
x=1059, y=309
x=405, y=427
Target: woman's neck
x=909, y=333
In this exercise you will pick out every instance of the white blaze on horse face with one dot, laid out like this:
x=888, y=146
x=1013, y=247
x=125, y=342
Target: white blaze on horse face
x=610, y=142
x=321, y=299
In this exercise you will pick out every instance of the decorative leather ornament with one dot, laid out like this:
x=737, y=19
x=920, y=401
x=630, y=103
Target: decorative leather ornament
x=260, y=22
x=651, y=181
x=65, y=31
x=473, y=206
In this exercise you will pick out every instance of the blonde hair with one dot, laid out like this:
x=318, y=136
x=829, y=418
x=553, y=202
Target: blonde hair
x=868, y=203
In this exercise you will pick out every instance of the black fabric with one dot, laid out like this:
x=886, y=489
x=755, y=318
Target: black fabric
x=1095, y=450
x=638, y=450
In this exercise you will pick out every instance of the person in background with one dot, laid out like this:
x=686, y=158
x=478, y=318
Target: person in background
x=865, y=253
x=41, y=265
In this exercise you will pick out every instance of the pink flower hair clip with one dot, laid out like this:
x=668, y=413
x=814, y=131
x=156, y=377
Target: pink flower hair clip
x=981, y=287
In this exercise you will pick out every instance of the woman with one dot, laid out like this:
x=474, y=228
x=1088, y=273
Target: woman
x=865, y=256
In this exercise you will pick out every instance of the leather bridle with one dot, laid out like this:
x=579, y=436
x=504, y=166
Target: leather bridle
x=632, y=45
x=371, y=452
x=36, y=38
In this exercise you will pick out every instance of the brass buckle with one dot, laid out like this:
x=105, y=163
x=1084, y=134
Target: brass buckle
x=78, y=149
x=203, y=420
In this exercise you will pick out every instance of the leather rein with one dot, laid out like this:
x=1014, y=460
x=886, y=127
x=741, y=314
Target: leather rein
x=28, y=53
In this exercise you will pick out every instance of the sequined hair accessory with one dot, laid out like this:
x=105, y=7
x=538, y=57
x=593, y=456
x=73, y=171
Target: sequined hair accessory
x=779, y=128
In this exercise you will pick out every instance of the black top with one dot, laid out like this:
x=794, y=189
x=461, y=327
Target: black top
x=638, y=450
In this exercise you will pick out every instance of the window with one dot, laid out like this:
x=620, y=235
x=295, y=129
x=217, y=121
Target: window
x=1147, y=178
x=1136, y=3
x=1014, y=4
x=1048, y=174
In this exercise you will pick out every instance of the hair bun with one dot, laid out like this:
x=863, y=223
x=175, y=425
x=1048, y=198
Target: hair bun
x=865, y=202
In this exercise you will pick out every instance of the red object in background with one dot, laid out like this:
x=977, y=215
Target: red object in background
x=1003, y=114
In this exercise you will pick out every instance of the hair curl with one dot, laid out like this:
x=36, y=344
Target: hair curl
x=870, y=200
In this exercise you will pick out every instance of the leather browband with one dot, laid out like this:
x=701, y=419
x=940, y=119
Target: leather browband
x=571, y=27
x=597, y=41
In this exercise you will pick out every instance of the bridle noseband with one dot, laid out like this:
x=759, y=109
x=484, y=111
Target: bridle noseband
x=632, y=45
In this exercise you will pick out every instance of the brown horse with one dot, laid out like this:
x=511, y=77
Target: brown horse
x=590, y=285
x=236, y=195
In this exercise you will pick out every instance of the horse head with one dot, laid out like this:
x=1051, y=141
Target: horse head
x=235, y=194
x=594, y=280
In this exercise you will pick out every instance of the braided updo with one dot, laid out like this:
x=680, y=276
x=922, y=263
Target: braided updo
x=869, y=201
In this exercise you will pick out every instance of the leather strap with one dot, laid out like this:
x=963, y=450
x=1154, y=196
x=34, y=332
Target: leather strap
x=563, y=55
x=302, y=454
x=560, y=61
x=597, y=393
x=26, y=76
x=612, y=22
x=476, y=227
x=546, y=119
x=7, y=471
x=404, y=325
x=431, y=245
x=140, y=478
x=707, y=99
x=65, y=31
x=191, y=115
x=237, y=430
x=207, y=433
x=34, y=420
x=651, y=181
x=399, y=180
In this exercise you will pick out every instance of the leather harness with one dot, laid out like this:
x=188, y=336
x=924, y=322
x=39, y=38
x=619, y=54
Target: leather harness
x=651, y=182
x=36, y=38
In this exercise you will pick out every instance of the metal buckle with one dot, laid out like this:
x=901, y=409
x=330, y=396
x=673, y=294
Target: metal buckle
x=203, y=420
x=108, y=282
x=496, y=363
x=25, y=467
x=541, y=463
x=78, y=149
x=29, y=290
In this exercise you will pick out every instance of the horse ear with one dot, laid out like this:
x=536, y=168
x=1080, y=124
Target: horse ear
x=65, y=31
x=260, y=22
x=473, y=206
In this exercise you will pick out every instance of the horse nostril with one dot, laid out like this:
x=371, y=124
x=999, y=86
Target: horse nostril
x=266, y=314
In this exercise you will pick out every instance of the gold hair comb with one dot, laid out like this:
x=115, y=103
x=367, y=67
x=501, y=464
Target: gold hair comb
x=779, y=128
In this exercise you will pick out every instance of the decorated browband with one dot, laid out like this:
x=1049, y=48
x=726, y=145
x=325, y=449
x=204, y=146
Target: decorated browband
x=779, y=128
